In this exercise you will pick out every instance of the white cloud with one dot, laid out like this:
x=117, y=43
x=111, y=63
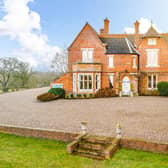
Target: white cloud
x=22, y=24
x=144, y=26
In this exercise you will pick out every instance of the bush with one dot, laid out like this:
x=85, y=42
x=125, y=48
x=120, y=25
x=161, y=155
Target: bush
x=71, y=95
x=163, y=88
x=58, y=92
x=5, y=89
x=47, y=97
x=91, y=95
x=105, y=92
x=146, y=92
x=79, y=95
x=85, y=95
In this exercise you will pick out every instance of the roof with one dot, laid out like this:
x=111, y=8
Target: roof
x=152, y=33
x=118, y=46
x=91, y=28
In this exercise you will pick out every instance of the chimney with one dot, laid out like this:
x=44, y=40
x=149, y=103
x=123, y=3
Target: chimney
x=136, y=24
x=105, y=30
x=106, y=26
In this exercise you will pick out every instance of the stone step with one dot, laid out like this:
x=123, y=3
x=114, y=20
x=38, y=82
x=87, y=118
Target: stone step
x=89, y=156
x=93, y=146
x=97, y=139
x=90, y=152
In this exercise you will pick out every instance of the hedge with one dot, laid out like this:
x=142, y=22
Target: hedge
x=163, y=88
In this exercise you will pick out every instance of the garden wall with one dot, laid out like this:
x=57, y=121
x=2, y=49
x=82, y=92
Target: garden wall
x=39, y=133
x=136, y=144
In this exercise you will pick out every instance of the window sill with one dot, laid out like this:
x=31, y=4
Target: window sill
x=152, y=66
x=152, y=88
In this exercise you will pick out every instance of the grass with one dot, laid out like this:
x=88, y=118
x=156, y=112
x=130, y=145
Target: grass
x=21, y=152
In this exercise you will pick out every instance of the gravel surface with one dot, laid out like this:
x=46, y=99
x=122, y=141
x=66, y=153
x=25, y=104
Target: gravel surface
x=140, y=117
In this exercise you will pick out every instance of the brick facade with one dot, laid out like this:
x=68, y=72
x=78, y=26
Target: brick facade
x=129, y=52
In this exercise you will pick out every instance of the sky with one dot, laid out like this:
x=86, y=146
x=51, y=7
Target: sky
x=34, y=30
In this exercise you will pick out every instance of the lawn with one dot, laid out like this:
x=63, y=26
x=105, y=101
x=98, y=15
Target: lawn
x=21, y=152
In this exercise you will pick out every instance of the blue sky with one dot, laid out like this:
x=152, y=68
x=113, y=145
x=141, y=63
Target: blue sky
x=61, y=20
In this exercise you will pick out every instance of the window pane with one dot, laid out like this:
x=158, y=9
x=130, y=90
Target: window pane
x=90, y=84
x=81, y=85
x=85, y=84
x=110, y=61
x=85, y=77
x=110, y=81
x=154, y=81
x=149, y=82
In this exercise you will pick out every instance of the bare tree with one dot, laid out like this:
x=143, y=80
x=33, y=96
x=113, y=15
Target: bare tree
x=59, y=63
x=23, y=74
x=7, y=67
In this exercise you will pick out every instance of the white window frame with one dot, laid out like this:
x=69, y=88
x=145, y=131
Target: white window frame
x=74, y=82
x=134, y=62
x=152, y=81
x=111, y=78
x=84, y=90
x=98, y=81
x=111, y=61
x=152, y=57
x=87, y=55
x=152, y=41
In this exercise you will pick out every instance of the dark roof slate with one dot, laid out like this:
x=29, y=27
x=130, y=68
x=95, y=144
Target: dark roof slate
x=118, y=46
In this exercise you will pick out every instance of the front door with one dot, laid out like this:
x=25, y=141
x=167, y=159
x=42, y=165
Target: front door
x=126, y=86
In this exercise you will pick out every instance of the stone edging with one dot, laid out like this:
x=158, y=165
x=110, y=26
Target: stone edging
x=128, y=143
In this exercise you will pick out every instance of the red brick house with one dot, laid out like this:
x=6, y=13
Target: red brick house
x=125, y=62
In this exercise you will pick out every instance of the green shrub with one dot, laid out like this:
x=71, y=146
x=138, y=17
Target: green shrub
x=57, y=91
x=71, y=95
x=163, y=88
x=5, y=89
x=90, y=95
x=79, y=95
x=47, y=97
x=85, y=95
x=146, y=92
x=105, y=92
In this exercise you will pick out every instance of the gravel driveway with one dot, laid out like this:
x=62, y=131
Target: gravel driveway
x=140, y=117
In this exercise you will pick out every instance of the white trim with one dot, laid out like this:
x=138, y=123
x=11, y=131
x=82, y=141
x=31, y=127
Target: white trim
x=111, y=78
x=152, y=76
x=129, y=47
x=84, y=90
x=99, y=81
x=87, y=55
x=152, y=60
x=110, y=64
x=134, y=62
x=152, y=41
x=74, y=82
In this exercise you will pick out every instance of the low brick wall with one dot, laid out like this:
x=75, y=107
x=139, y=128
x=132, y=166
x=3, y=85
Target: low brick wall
x=131, y=143
x=38, y=133
x=144, y=145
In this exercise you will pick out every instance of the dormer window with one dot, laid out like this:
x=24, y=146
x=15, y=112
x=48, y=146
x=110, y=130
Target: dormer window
x=87, y=55
x=151, y=41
